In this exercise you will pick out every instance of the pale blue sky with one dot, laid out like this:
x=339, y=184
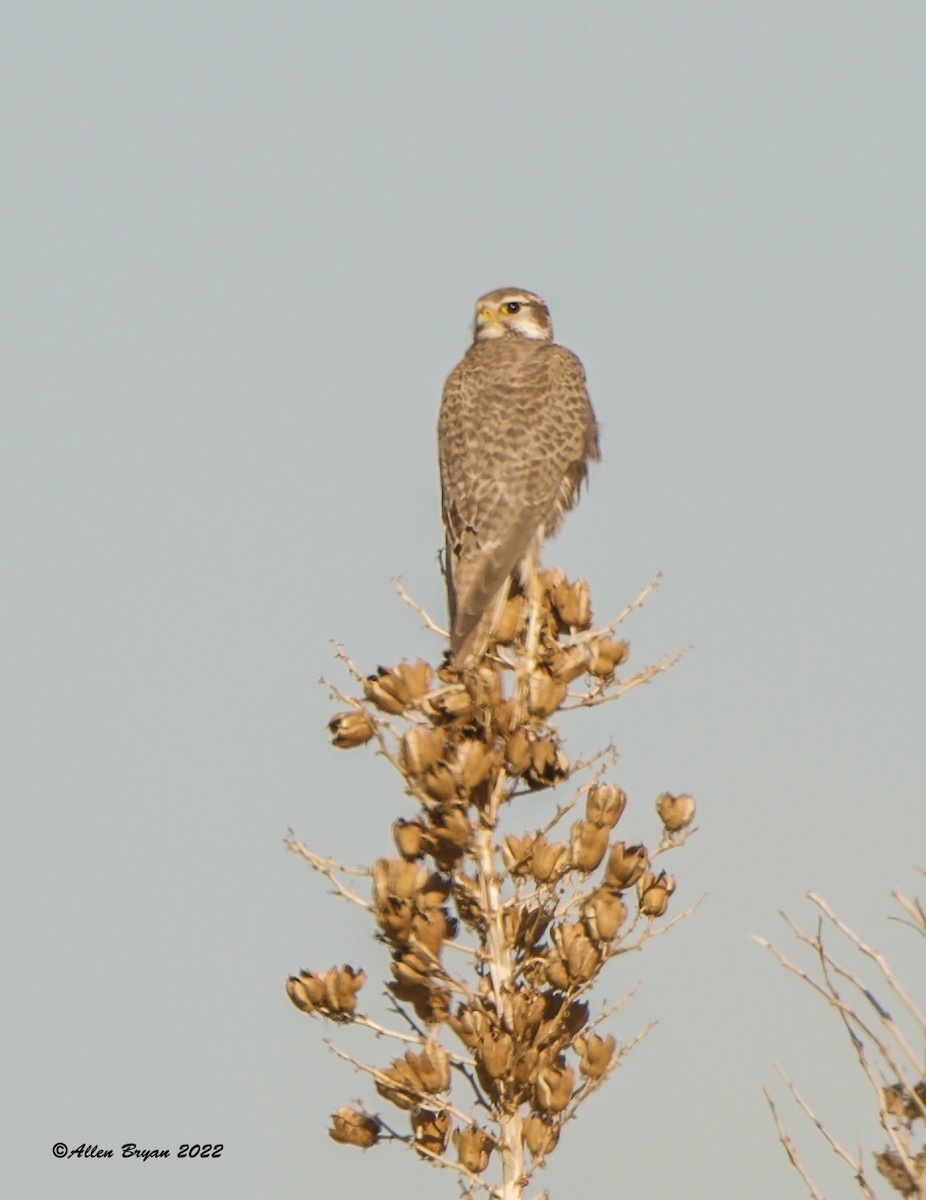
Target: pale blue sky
x=240, y=246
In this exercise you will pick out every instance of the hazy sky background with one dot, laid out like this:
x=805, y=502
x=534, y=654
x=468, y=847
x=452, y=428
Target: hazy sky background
x=240, y=247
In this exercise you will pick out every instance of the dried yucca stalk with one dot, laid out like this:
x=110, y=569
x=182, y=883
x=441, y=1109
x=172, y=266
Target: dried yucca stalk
x=496, y=937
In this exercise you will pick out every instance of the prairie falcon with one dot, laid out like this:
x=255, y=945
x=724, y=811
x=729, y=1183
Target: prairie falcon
x=515, y=436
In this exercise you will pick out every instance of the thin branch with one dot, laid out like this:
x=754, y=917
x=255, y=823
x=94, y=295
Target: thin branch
x=875, y=955
x=328, y=867
x=425, y=616
x=790, y=1149
x=840, y=1151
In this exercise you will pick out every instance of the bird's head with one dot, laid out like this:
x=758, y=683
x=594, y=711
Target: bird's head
x=511, y=312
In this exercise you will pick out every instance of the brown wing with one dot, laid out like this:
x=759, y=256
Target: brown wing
x=515, y=434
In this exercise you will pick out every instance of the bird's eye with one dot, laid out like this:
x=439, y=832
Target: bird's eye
x=511, y=307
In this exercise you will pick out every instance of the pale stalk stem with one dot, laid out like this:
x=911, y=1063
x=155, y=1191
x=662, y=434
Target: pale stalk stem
x=498, y=957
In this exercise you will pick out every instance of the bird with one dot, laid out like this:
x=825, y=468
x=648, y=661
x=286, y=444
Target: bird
x=516, y=434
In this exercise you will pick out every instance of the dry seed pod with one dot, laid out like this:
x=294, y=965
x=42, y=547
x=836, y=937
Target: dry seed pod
x=484, y=685
x=399, y=1085
x=306, y=990
x=473, y=1146
x=466, y=899
x=654, y=893
x=582, y=959
x=549, y=580
x=548, y=764
x=524, y=1068
x=354, y=1128
x=387, y=690
x=416, y=677
x=430, y=1002
x=528, y=1009
x=341, y=988
x=568, y=663
x=511, y=621
x=588, y=844
x=455, y=704
x=431, y=928
x=540, y=1136
x=675, y=812
x=431, y=1068
x=554, y=1086
x=432, y=1129
x=496, y=1054
x=438, y=783
x=504, y=717
x=625, y=865
x=473, y=763
x=595, y=1054
x=396, y=919
x=604, y=913
x=571, y=605
x=530, y=924
x=604, y=654
x=450, y=825
x=411, y=968
x=410, y=838
x=574, y=1016
x=349, y=729
x=549, y=860
x=434, y=892
x=518, y=752
x=545, y=694
x=605, y=804
x=891, y=1166
x=516, y=854
x=469, y=1024
x=421, y=747
x=397, y=878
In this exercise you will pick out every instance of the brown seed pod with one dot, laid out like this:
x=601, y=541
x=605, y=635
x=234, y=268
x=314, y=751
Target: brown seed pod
x=571, y=605
x=387, y=690
x=654, y=893
x=675, y=812
x=605, y=654
x=410, y=837
x=430, y=1068
x=306, y=990
x=604, y=912
x=399, y=1084
x=473, y=1146
x=473, y=763
x=349, y=729
x=549, y=860
x=548, y=764
x=470, y=1024
x=568, y=663
x=516, y=854
x=353, y=1128
x=588, y=843
x=625, y=865
x=554, y=1086
x=511, y=621
x=595, y=1054
x=605, y=804
x=545, y=694
x=421, y=747
x=416, y=677
x=540, y=1136
x=432, y=1129
x=341, y=987
x=518, y=752
x=496, y=1052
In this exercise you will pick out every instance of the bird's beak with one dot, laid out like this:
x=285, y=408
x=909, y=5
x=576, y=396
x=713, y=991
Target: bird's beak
x=485, y=316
